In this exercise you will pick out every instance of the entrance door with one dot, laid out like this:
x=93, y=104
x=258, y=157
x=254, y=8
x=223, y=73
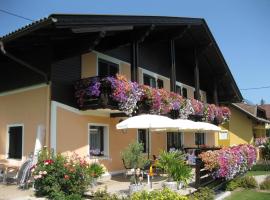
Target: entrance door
x=15, y=142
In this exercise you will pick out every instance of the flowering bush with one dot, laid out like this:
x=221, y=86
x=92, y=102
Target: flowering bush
x=261, y=141
x=229, y=162
x=56, y=175
x=129, y=95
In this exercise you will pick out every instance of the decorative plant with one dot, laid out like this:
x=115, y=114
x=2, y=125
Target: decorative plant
x=173, y=163
x=58, y=176
x=133, y=158
x=158, y=195
x=229, y=162
x=96, y=170
x=129, y=95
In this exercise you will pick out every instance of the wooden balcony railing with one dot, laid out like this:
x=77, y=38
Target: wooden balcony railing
x=94, y=93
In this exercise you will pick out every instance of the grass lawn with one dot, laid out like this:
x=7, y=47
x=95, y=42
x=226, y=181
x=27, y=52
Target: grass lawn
x=256, y=173
x=249, y=195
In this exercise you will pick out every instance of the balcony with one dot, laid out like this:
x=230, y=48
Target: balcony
x=116, y=93
x=94, y=93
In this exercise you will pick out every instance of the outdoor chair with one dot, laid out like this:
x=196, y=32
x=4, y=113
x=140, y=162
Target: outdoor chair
x=128, y=171
x=8, y=171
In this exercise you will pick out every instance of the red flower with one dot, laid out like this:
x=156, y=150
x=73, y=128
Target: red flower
x=48, y=162
x=66, y=177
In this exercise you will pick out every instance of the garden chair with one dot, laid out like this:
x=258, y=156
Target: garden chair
x=128, y=171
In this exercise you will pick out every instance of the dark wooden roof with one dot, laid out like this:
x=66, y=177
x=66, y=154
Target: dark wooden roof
x=64, y=35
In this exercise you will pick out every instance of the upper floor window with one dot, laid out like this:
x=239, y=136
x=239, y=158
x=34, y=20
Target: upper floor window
x=160, y=84
x=107, y=68
x=184, y=92
x=152, y=81
x=178, y=89
x=149, y=80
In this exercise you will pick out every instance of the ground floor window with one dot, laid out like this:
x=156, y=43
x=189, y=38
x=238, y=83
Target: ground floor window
x=174, y=141
x=15, y=144
x=200, y=138
x=98, y=140
x=143, y=138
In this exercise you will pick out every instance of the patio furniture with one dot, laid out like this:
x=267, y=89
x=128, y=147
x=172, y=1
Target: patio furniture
x=8, y=171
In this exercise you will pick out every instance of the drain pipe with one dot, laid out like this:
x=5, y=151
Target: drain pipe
x=27, y=65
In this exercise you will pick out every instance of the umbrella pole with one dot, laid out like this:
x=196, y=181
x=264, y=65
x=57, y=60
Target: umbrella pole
x=148, y=143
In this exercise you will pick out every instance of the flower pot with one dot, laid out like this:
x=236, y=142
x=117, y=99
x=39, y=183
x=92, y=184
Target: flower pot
x=135, y=188
x=170, y=185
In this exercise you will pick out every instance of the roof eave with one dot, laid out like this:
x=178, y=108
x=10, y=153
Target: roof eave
x=28, y=28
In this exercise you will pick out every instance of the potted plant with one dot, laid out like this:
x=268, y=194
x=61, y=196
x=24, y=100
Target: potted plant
x=134, y=159
x=174, y=165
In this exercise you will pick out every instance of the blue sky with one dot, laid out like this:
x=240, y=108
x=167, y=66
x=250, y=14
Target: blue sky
x=241, y=28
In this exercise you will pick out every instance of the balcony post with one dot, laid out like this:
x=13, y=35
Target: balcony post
x=172, y=69
x=134, y=60
x=197, y=76
x=215, y=93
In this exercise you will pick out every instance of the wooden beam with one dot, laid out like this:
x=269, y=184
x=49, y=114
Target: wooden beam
x=197, y=76
x=172, y=69
x=134, y=60
x=215, y=93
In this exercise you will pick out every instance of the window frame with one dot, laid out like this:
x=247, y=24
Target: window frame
x=150, y=141
x=205, y=138
x=182, y=138
x=106, y=144
x=8, y=140
x=154, y=75
x=109, y=62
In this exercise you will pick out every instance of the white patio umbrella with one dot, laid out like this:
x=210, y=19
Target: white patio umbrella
x=204, y=126
x=147, y=121
x=184, y=125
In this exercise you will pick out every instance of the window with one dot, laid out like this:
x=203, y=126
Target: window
x=200, y=138
x=174, y=140
x=184, y=92
x=178, y=90
x=160, y=83
x=143, y=138
x=107, y=68
x=15, y=135
x=149, y=80
x=98, y=140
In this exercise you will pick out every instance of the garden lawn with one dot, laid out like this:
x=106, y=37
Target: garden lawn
x=257, y=173
x=249, y=195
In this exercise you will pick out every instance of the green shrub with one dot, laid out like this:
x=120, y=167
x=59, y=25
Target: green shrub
x=244, y=182
x=61, y=177
x=265, y=185
x=104, y=195
x=133, y=156
x=233, y=184
x=260, y=167
x=96, y=170
x=158, y=195
x=248, y=182
x=173, y=163
x=203, y=193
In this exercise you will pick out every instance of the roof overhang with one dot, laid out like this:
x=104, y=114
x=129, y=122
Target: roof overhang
x=80, y=30
x=258, y=119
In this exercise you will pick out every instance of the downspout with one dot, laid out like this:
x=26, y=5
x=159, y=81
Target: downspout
x=27, y=65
